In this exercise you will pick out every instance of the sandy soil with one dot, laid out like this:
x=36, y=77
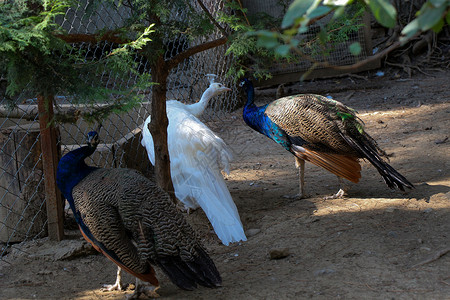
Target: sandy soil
x=374, y=244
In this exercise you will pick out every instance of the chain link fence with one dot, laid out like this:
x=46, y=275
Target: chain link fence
x=23, y=215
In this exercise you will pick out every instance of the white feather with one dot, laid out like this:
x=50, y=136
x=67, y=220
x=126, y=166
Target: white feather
x=197, y=156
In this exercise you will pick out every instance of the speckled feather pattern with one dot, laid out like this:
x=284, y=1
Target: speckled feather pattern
x=317, y=121
x=320, y=130
x=133, y=218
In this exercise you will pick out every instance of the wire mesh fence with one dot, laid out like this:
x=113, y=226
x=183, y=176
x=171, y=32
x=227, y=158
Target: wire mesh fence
x=23, y=215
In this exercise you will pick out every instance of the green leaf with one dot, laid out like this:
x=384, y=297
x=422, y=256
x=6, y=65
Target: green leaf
x=267, y=39
x=282, y=50
x=323, y=36
x=294, y=43
x=337, y=2
x=409, y=30
x=447, y=17
x=439, y=25
x=319, y=11
x=295, y=11
x=302, y=29
x=430, y=17
x=355, y=48
x=438, y=2
x=339, y=12
x=384, y=12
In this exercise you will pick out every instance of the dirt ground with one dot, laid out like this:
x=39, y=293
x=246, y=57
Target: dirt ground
x=375, y=243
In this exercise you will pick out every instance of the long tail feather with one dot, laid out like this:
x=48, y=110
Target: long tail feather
x=197, y=157
x=187, y=274
x=211, y=194
x=391, y=177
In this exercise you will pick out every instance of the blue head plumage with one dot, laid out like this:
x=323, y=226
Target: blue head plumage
x=247, y=85
x=256, y=118
x=72, y=167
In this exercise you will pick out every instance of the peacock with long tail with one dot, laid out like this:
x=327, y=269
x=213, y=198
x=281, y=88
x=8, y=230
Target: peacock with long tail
x=133, y=222
x=322, y=131
x=197, y=157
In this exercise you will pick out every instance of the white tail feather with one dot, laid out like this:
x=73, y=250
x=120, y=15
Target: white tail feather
x=197, y=157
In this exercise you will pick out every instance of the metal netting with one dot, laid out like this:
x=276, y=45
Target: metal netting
x=336, y=52
x=23, y=214
x=22, y=197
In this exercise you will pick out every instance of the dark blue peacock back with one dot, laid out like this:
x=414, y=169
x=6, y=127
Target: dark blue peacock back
x=133, y=222
x=322, y=131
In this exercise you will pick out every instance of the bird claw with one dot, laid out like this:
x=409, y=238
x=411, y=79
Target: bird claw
x=183, y=208
x=112, y=287
x=340, y=194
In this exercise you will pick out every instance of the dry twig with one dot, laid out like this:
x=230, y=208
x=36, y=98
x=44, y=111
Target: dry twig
x=436, y=256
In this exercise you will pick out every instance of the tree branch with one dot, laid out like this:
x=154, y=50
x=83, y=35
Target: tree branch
x=174, y=61
x=224, y=32
x=352, y=66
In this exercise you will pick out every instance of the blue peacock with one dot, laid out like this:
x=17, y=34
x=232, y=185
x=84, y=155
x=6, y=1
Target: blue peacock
x=322, y=131
x=133, y=222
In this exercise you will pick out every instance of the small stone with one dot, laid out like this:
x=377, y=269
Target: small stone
x=279, y=253
x=425, y=249
x=252, y=232
x=392, y=234
x=324, y=272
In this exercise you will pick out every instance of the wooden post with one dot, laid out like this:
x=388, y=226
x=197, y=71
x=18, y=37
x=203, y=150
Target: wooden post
x=50, y=162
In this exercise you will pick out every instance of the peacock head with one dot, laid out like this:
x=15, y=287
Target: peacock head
x=218, y=88
x=92, y=139
x=246, y=84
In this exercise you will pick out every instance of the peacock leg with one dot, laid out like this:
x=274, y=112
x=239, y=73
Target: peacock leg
x=343, y=188
x=116, y=286
x=144, y=288
x=300, y=165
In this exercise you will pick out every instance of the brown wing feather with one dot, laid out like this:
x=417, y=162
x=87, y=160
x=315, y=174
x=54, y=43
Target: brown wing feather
x=150, y=276
x=343, y=166
x=309, y=117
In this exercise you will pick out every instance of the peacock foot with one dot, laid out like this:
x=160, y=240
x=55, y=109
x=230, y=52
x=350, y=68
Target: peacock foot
x=117, y=286
x=112, y=287
x=185, y=209
x=340, y=194
x=142, y=288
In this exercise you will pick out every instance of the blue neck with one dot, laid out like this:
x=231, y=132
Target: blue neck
x=250, y=90
x=71, y=170
x=256, y=118
x=252, y=114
